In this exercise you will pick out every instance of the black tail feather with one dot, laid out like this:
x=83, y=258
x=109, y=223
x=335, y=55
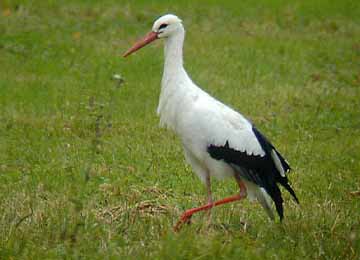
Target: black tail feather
x=287, y=186
x=278, y=200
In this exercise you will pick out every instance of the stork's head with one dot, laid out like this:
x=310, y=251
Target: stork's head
x=163, y=27
x=167, y=25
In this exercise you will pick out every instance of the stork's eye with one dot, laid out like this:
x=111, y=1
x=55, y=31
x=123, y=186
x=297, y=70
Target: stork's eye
x=163, y=26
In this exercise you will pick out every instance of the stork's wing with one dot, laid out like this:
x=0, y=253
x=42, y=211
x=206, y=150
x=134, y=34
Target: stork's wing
x=221, y=124
x=265, y=170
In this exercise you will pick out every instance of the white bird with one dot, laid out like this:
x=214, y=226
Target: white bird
x=217, y=140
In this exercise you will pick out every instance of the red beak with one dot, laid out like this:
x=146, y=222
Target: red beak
x=151, y=36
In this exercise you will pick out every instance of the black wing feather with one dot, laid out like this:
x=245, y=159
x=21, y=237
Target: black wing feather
x=268, y=147
x=260, y=170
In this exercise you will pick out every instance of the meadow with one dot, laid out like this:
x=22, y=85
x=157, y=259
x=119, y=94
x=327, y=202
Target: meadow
x=86, y=172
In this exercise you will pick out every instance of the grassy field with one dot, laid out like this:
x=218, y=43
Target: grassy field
x=85, y=171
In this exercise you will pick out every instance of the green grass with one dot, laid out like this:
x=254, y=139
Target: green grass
x=85, y=171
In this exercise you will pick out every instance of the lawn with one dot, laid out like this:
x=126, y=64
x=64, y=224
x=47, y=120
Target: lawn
x=86, y=172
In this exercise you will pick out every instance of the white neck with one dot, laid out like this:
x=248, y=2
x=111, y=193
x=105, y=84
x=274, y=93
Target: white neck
x=174, y=79
x=174, y=52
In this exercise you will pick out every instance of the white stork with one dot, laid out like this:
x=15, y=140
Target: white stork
x=217, y=140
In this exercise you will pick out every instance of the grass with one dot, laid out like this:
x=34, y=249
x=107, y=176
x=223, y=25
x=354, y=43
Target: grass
x=85, y=171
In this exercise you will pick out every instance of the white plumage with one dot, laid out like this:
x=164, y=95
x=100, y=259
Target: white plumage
x=217, y=140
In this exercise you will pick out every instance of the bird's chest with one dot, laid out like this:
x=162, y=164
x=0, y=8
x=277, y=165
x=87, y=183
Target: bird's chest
x=172, y=105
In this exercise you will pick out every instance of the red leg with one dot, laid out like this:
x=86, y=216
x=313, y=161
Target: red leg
x=187, y=214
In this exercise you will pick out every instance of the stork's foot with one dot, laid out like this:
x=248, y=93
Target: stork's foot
x=186, y=216
x=184, y=219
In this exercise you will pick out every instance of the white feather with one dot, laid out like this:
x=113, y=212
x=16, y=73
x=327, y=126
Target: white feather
x=277, y=162
x=199, y=119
